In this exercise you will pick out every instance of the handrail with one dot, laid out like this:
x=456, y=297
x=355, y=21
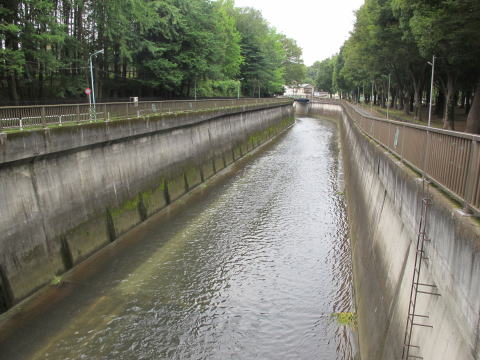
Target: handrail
x=20, y=117
x=450, y=159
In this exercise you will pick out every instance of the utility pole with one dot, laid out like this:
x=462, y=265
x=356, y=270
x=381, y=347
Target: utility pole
x=431, y=91
x=93, y=112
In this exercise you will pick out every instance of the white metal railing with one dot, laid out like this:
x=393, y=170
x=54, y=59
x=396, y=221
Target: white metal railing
x=20, y=117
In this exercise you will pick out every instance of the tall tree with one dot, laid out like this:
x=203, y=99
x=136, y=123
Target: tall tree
x=293, y=63
x=449, y=30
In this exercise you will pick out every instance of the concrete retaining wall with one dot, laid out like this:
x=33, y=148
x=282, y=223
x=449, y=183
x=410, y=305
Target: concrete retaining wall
x=67, y=192
x=384, y=202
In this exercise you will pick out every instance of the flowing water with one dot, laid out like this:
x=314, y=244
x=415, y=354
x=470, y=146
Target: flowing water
x=253, y=269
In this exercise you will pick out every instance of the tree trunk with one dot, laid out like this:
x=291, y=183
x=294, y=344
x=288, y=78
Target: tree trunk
x=468, y=98
x=449, y=114
x=394, y=99
x=12, y=85
x=440, y=103
x=473, y=119
x=418, y=89
x=463, y=99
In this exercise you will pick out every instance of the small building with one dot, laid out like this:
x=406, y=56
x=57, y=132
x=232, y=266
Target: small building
x=300, y=90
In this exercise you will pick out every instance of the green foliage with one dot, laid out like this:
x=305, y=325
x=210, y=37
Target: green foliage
x=324, y=78
x=160, y=48
x=346, y=318
x=263, y=50
x=57, y=280
x=218, y=88
x=294, y=68
x=397, y=38
x=311, y=73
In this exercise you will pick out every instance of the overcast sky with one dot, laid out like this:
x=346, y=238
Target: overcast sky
x=319, y=26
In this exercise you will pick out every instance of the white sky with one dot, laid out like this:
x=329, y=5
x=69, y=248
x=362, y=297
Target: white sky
x=319, y=26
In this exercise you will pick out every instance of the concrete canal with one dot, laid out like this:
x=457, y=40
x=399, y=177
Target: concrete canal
x=251, y=268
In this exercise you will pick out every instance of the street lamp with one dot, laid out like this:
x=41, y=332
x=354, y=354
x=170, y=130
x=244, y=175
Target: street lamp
x=93, y=113
x=431, y=90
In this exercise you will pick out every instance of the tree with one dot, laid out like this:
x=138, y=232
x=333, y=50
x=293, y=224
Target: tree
x=324, y=80
x=293, y=63
x=263, y=54
x=449, y=30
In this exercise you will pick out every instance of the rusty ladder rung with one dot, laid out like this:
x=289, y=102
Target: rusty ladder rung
x=424, y=325
x=416, y=284
x=428, y=293
x=423, y=284
x=423, y=316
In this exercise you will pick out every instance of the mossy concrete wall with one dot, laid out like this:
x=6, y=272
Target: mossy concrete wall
x=384, y=202
x=67, y=192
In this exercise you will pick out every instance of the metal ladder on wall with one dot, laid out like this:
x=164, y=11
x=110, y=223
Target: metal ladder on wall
x=418, y=287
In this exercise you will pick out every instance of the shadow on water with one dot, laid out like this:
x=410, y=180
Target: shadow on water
x=254, y=268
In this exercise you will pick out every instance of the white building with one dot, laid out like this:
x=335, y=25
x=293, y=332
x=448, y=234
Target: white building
x=300, y=90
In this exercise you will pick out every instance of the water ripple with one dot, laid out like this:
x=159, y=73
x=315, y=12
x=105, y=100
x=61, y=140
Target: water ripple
x=252, y=271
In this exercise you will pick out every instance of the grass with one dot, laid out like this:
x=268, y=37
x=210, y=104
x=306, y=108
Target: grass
x=346, y=318
x=57, y=280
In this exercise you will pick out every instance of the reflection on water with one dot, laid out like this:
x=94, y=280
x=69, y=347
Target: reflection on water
x=253, y=270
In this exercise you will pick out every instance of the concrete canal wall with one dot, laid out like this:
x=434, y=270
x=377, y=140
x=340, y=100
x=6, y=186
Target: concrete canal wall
x=66, y=192
x=384, y=202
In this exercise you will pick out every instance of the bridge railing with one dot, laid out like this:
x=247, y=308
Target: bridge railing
x=19, y=117
x=450, y=159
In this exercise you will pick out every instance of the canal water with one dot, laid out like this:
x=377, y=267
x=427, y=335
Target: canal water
x=252, y=269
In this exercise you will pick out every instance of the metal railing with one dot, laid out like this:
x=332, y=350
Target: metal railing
x=15, y=117
x=450, y=159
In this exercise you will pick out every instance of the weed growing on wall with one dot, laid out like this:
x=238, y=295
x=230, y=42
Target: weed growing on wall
x=346, y=318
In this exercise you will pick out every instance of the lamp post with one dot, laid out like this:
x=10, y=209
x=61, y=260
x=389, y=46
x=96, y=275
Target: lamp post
x=431, y=91
x=93, y=113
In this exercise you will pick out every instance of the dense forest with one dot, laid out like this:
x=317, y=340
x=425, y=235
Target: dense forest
x=397, y=39
x=151, y=48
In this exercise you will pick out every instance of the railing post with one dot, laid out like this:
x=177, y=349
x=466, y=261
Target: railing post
x=42, y=110
x=127, y=108
x=471, y=180
x=105, y=118
x=78, y=113
x=402, y=157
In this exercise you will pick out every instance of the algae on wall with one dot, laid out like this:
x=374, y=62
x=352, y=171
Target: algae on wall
x=86, y=197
